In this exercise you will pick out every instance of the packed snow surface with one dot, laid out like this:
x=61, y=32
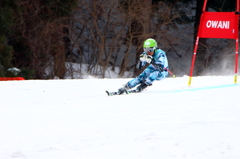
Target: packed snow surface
x=75, y=119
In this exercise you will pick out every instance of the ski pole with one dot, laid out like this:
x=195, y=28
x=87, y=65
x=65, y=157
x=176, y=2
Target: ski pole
x=169, y=72
x=164, y=69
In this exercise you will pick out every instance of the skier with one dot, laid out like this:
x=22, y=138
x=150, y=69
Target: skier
x=157, y=70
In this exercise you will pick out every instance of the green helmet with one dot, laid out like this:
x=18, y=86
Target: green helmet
x=149, y=45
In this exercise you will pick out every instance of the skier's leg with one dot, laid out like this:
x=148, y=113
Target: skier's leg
x=132, y=83
x=152, y=77
x=139, y=79
x=148, y=81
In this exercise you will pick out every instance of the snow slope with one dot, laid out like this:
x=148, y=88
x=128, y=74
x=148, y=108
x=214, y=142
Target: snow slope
x=75, y=119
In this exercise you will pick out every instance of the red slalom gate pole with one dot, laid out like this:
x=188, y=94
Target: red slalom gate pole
x=193, y=61
x=236, y=63
x=237, y=41
x=196, y=47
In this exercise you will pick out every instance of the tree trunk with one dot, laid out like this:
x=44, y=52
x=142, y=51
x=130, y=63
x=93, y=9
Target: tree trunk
x=144, y=30
x=59, y=55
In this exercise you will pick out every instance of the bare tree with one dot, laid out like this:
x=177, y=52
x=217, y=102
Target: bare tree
x=97, y=35
x=38, y=41
x=138, y=14
x=111, y=33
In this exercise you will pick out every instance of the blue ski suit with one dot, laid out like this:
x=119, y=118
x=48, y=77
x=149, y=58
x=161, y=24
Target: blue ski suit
x=152, y=73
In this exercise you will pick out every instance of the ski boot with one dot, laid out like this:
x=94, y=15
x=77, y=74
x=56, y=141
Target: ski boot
x=123, y=89
x=142, y=86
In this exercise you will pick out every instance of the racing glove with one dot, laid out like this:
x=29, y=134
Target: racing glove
x=146, y=58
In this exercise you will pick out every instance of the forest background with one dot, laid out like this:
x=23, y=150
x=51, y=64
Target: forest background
x=45, y=39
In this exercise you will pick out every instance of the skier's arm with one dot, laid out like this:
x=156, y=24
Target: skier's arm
x=140, y=65
x=159, y=63
x=160, y=67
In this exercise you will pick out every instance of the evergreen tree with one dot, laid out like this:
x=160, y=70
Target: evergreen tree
x=38, y=34
x=6, y=21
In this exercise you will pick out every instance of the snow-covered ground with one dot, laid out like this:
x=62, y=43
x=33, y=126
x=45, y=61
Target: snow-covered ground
x=75, y=119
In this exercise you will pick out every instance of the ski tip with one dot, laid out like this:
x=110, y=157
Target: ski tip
x=107, y=93
x=111, y=93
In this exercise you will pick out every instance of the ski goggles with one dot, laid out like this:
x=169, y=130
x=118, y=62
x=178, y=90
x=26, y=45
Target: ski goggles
x=148, y=49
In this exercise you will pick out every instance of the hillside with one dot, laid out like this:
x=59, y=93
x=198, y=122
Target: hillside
x=75, y=119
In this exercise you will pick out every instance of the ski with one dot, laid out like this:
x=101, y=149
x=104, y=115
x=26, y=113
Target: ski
x=132, y=91
x=126, y=92
x=112, y=93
